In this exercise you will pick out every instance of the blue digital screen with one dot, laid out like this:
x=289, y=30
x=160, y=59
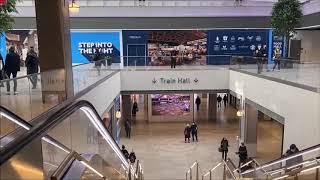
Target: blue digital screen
x=84, y=43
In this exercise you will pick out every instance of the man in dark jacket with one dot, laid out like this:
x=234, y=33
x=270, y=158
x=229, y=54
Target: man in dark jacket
x=194, y=131
x=292, y=161
x=198, y=102
x=127, y=127
x=32, y=63
x=12, y=66
x=125, y=152
x=243, y=154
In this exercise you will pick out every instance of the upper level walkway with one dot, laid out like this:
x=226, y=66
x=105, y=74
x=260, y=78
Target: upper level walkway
x=293, y=92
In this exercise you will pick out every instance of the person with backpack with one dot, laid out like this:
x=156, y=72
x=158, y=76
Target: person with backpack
x=125, y=152
x=32, y=63
x=219, y=99
x=132, y=157
x=224, y=148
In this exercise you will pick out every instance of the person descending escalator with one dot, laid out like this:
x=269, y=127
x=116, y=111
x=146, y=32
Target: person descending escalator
x=125, y=152
x=243, y=154
x=132, y=157
x=291, y=151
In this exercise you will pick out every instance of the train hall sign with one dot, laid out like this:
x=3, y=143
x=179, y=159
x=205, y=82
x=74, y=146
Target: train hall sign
x=169, y=81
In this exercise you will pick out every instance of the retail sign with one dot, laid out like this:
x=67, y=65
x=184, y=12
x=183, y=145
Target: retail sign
x=168, y=81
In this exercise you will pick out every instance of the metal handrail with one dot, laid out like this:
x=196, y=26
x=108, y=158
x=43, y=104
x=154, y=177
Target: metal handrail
x=302, y=152
x=223, y=162
x=189, y=172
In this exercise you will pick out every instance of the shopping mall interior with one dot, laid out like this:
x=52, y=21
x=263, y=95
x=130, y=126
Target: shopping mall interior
x=160, y=89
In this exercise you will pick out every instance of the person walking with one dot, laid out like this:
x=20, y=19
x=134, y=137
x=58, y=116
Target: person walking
x=224, y=148
x=2, y=75
x=135, y=108
x=32, y=63
x=219, y=99
x=276, y=58
x=198, y=102
x=194, y=131
x=127, y=127
x=258, y=57
x=125, y=152
x=243, y=154
x=225, y=100
x=11, y=67
x=187, y=130
x=173, y=60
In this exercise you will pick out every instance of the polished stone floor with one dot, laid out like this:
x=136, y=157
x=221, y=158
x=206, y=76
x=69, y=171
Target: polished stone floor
x=165, y=155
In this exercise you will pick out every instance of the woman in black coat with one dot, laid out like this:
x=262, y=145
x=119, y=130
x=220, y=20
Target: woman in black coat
x=32, y=63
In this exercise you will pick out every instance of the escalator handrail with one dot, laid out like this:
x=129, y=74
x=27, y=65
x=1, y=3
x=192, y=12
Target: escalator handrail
x=282, y=159
x=41, y=128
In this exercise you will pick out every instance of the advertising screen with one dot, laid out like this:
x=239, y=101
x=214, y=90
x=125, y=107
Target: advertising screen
x=170, y=104
x=82, y=44
x=155, y=48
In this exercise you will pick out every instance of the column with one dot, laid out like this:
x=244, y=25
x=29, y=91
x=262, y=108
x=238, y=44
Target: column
x=250, y=129
x=126, y=105
x=212, y=107
x=53, y=28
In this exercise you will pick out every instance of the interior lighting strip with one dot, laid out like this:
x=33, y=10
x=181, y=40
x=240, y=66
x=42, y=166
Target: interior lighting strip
x=99, y=126
x=28, y=127
x=91, y=168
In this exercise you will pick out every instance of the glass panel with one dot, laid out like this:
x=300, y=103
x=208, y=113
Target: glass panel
x=87, y=74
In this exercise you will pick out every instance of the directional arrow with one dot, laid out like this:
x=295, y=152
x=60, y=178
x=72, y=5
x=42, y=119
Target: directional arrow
x=196, y=80
x=154, y=81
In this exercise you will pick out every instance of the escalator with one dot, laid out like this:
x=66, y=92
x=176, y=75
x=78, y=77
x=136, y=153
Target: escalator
x=69, y=142
x=304, y=164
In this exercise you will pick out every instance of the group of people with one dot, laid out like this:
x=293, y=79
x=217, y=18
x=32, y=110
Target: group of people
x=225, y=101
x=191, y=130
x=10, y=68
x=131, y=157
x=261, y=55
x=242, y=151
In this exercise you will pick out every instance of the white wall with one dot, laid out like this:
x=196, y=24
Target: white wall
x=142, y=80
x=310, y=42
x=299, y=107
x=103, y=95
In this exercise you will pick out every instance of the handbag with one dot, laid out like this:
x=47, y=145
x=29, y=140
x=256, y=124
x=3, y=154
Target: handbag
x=220, y=149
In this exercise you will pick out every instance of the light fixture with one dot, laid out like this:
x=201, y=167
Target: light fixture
x=73, y=7
x=240, y=113
x=118, y=114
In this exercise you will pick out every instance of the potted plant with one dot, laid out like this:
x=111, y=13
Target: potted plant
x=286, y=16
x=6, y=20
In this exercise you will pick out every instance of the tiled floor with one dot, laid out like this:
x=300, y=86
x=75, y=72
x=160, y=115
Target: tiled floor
x=165, y=155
